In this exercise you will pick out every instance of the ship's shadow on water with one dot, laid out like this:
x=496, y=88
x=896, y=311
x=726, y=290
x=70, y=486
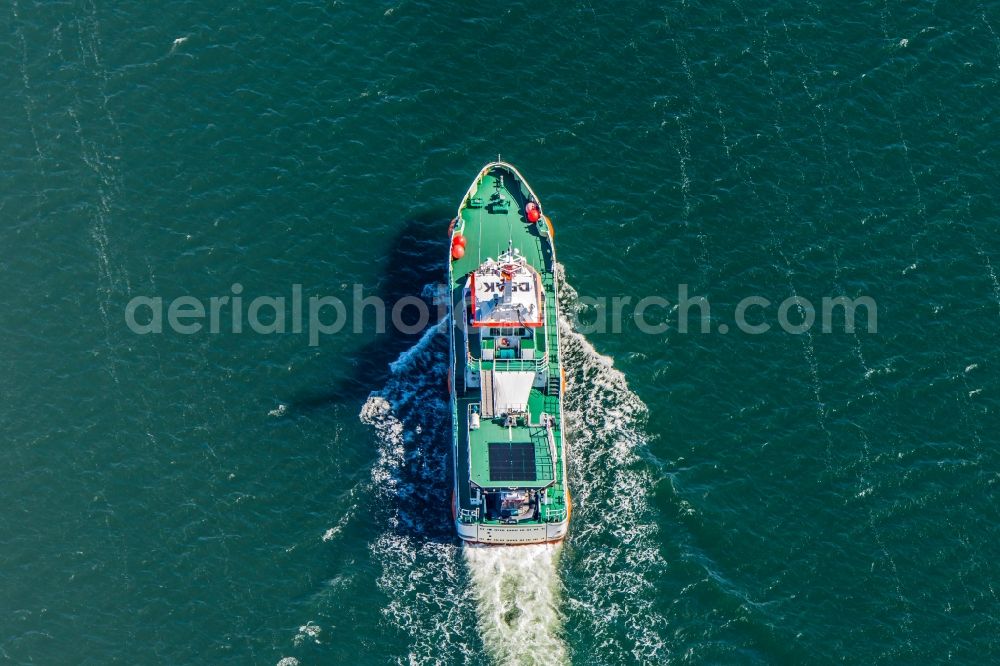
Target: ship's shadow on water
x=414, y=261
x=398, y=385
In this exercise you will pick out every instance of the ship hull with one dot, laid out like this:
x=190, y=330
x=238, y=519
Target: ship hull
x=480, y=226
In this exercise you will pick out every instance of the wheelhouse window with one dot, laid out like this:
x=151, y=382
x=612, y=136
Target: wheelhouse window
x=505, y=332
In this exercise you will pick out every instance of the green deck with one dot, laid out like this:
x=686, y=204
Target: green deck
x=494, y=431
x=487, y=230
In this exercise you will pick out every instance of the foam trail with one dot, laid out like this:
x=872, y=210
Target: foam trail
x=611, y=578
x=417, y=552
x=517, y=592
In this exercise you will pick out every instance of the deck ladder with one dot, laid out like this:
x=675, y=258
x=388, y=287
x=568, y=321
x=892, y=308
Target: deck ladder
x=486, y=390
x=555, y=384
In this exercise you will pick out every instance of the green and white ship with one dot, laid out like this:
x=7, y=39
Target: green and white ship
x=506, y=381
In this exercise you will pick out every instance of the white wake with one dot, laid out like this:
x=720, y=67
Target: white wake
x=517, y=591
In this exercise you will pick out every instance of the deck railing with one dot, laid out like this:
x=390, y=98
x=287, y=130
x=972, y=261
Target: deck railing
x=555, y=515
x=509, y=364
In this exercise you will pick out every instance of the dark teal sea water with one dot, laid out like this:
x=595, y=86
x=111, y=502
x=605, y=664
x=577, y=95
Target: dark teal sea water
x=740, y=499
